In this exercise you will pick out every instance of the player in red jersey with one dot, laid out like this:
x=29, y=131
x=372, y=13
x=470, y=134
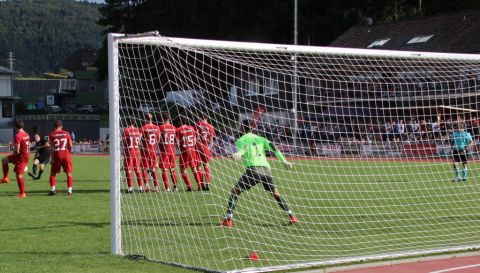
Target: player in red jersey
x=150, y=135
x=19, y=157
x=131, y=155
x=187, y=136
x=205, y=133
x=60, y=147
x=167, y=152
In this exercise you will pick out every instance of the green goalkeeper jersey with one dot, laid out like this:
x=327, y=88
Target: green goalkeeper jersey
x=253, y=147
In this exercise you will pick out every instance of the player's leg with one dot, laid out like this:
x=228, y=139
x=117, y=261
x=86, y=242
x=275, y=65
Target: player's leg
x=153, y=172
x=145, y=172
x=69, y=184
x=197, y=174
x=456, y=159
x=265, y=176
x=183, y=172
x=21, y=185
x=34, y=167
x=138, y=173
x=246, y=182
x=19, y=170
x=173, y=176
x=40, y=171
x=127, y=166
x=33, y=174
x=206, y=170
x=165, y=179
x=465, y=166
x=5, y=161
x=67, y=168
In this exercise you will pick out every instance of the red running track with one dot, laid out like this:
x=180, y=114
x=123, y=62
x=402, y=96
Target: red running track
x=468, y=264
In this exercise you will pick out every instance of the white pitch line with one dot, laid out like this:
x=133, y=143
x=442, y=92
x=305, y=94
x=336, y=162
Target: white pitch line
x=456, y=268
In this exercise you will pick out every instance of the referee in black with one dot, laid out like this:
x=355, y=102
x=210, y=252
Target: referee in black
x=42, y=156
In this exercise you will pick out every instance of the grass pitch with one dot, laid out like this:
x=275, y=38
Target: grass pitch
x=345, y=208
x=59, y=234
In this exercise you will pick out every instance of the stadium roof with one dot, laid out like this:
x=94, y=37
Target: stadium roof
x=457, y=32
x=4, y=70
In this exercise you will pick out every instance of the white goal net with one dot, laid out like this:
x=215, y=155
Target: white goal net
x=372, y=136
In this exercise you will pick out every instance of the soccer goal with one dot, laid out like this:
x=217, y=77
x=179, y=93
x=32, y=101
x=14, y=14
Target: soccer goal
x=369, y=133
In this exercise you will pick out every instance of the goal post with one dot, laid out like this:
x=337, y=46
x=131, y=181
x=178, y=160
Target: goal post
x=372, y=162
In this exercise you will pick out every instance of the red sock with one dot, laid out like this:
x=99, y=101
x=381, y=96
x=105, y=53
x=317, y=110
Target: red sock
x=155, y=178
x=5, y=170
x=165, y=179
x=207, y=174
x=52, y=181
x=145, y=177
x=21, y=184
x=129, y=179
x=187, y=180
x=198, y=178
x=138, y=173
x=69, y=181
x=174, y=177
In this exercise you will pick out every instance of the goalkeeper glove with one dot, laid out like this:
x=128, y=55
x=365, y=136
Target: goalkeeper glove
x=288, y=165
x=237, y=156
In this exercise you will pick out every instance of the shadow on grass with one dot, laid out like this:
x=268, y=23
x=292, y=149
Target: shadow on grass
x=168, y=223
x=54, y=253
x=59, y=192
x=60, y=225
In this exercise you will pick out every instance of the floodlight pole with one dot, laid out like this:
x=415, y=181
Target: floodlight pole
x=295, y=76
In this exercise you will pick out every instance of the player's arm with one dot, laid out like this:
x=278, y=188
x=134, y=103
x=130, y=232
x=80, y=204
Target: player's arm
x=279, y=155
x=241, y=150
x=16, y=146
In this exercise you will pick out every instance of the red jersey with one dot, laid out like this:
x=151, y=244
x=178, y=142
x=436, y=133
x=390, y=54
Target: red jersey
x=23, y=139
x=186, y=136
x=131, y=141
x=167, y=138
x=150, y=135
x=59, y=140
x=205, y=133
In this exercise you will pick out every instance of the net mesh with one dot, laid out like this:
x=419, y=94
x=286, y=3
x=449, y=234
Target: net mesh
x=370, y=138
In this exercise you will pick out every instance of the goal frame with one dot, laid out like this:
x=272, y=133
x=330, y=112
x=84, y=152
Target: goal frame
x=153, y=38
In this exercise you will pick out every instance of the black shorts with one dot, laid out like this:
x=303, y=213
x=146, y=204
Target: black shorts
x=43, y=158
x=459, y=157
x=255, y=175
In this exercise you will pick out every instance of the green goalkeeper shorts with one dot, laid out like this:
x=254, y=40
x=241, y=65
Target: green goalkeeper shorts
x=255, y=175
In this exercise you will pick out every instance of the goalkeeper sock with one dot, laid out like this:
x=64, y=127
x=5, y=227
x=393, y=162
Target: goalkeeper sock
x=232, y=200
x=457, y=173
x=34, y=169
x=465, y=173
x=281, y=202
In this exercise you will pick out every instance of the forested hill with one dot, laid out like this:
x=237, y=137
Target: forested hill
x=43, y=33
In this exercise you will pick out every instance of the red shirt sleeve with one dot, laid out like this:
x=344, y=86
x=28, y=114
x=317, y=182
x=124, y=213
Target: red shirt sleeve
x=18, y=139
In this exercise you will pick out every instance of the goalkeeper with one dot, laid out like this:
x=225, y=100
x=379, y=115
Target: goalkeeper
x=251, y=148
x=462, y=141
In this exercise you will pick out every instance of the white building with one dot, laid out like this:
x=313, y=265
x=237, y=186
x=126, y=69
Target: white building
x=7, y=104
